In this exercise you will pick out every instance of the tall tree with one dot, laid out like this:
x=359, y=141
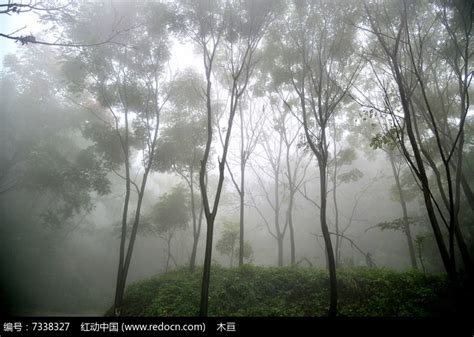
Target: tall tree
x=297, y=162
x=236, y=27
x=250, y=132
x=128, y=90
x=228, y=243
x=317, y=63
x=40, y=152
x=402, y=198
x=273, y=170
x=181, y=144
x=170, y=214
x=341, y=157
x=415, y=54
x=286, y=168
x=50, y=181
x=370, y=127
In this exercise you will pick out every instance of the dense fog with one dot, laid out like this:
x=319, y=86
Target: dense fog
x=334, y=135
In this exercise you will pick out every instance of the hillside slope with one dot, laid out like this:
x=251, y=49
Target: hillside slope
x=265, y=291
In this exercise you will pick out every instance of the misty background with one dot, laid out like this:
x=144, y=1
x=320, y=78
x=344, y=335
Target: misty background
x=61, y=175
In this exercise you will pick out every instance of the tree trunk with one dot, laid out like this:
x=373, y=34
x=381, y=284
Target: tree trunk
x=332, y=312
x=406, y=226
x=196, y=225
x=466, y=258
x=280, y=249
x=242, y=188
x=208, y=212
x=280, y=235
x=242, y=213
x=334, y=197
x=192, y=262
x=467, y=191
x=133, y=234
x=292, y=232
x=421, y=174
x=207, y=268
x=168, y=258
x=232, y=256
x=123, y=236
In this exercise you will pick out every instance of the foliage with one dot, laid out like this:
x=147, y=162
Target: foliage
x=289, y=291
x=350, y=176
x=228, y=243
x=171, y=212
x=388, y=139
x=397, y=224
x=181, y=146
x=43, y=151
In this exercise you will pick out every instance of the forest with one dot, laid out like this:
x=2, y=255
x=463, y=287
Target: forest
x=237, y=158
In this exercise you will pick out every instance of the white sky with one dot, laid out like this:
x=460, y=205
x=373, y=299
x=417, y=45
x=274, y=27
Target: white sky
x=11, y=23
x=183, y=57
x=182, y=53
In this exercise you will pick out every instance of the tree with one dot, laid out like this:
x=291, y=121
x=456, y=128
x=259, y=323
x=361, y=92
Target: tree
x=417, y=55
x=50, y=10
x=340, y=158
x=287, y=165
x=402, y=198
x=237, y=27
x=127, y=92
x=369, y=124
x=273, y=153
x=316, y=62
x=40, y=152
x=297, y=163
x=250, y=132
x=227, y=244
x=170, y=214
x=50, y=182
x=182, y=144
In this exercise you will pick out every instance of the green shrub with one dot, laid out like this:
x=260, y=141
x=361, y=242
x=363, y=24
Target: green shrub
x=287, y=291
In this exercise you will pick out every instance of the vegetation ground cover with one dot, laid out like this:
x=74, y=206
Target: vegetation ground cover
x=289, y=291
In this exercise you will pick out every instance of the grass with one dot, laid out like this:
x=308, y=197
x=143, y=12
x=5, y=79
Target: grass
x=287, y=291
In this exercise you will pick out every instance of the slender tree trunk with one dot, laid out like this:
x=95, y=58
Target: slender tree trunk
x=242, y=214
x=422, y=176
x=464, y=84
x=196, y=223
x=466, y=258
x=211, y=214
x=334, y=197
x=243, y=160
x=467, y=191
x=292, y=189
x=168, y=242
x=290, y=227
x=420, y=256
x=279, y=233
x=133, y=234
x=406, y=226
x=196, y=241
x=207, y=267
x=320, y=151
x=232, y=256
x=327, y=240
x=192, y=261
x=123, y=268
x=415, y=160
x=123, y=236
x=207, y=211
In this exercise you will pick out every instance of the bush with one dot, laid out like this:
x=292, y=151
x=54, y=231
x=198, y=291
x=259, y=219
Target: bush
x=287, y=291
